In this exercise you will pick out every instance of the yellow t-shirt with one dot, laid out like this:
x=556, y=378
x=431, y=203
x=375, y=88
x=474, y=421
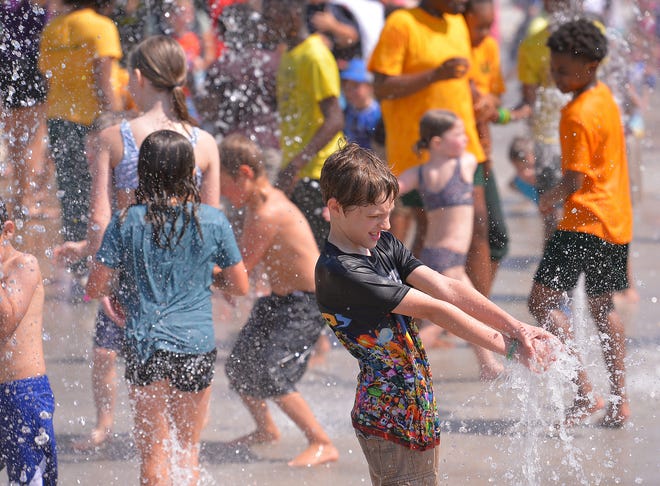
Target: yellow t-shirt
x=592, y=143
x=70, y=44
x=307, y=75
x=486, y=70
x=534, y=69
x=413, y=41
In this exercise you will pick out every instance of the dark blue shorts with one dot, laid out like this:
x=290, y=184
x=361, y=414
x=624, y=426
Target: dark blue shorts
x=27, y=439
x=107, y=334
x=569, y=253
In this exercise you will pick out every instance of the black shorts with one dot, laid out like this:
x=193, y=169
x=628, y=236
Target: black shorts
x=185, y=372
x=21, y=84
x=271, y=351
x=569, y=253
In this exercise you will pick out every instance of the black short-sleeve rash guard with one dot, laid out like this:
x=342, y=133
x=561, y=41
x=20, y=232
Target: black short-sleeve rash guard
x=356, y=295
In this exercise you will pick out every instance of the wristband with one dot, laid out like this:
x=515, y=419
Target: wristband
x=504, y=116
x=512, y=349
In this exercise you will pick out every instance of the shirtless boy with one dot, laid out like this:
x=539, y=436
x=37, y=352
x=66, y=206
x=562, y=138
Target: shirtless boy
x=271, y=352
x=27, y=440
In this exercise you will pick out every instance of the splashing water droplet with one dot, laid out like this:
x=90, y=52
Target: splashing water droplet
x=42, y=438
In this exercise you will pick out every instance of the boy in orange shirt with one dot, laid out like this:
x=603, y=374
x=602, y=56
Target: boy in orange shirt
x=594, y=233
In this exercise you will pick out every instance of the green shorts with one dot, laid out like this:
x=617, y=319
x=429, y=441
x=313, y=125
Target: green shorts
x=412, y=199
x=498, y=238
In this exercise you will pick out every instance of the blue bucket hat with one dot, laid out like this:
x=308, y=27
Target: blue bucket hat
x=357, y=71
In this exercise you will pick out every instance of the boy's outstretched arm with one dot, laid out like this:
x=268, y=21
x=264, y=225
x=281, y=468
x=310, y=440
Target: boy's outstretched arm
x=437, y=289
x=568, y=184
x=333, y=122
x=18, y=282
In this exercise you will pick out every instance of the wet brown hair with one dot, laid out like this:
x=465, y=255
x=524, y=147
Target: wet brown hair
x=236, y=150
x=355, y=176
x=162, y=61
x=166, y=165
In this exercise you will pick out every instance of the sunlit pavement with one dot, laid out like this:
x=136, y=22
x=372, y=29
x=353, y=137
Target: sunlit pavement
x=488, y=438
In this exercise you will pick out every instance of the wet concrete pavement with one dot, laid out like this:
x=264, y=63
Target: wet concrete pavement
x=492, y=434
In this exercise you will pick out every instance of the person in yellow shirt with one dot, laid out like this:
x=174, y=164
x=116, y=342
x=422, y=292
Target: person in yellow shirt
x=311, y=119
x=596, y=229
x=486, y=76
x=421, y=62
x=540, y=94
x=78, y=53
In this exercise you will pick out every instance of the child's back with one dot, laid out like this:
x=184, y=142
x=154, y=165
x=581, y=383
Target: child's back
x=292, y=251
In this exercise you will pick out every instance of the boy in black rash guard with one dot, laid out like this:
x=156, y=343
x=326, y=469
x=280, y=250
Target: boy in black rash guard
x=369, y=287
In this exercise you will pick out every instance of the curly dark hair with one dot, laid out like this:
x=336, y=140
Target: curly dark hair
x=579, y=38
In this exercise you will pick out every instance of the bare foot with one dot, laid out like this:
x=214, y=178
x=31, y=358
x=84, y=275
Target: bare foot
x=616, y=416
x=96, y=440
x=582, y=408
x=315, y=455
x=257, y=437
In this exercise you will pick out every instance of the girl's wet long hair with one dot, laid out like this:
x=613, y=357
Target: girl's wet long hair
x=167, y=185
x=162, y=61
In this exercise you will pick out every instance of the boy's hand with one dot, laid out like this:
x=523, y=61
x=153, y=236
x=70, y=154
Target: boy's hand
x=112, y=308
x=546, y=203
x=453, y=68
x=536, y=348
x=70, y=251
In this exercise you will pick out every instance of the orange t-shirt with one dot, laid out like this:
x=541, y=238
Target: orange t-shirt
x=592, y=143
x=486, y=71
x=413, y=41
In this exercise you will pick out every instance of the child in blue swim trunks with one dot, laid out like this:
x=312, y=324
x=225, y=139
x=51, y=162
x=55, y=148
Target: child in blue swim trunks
x=27, y=439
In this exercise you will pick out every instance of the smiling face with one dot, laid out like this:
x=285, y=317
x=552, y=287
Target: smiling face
x=572, y=74
x=357, y=229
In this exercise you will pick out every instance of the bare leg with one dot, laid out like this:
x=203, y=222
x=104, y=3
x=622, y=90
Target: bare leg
x=104, y=388
x=189, y=412
x=152, y=431
x=266, y=432
x=489, y=367
x=26, y=128
x=321, y=449
x=613, y=342
x=544, y=304
x=478, y=265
